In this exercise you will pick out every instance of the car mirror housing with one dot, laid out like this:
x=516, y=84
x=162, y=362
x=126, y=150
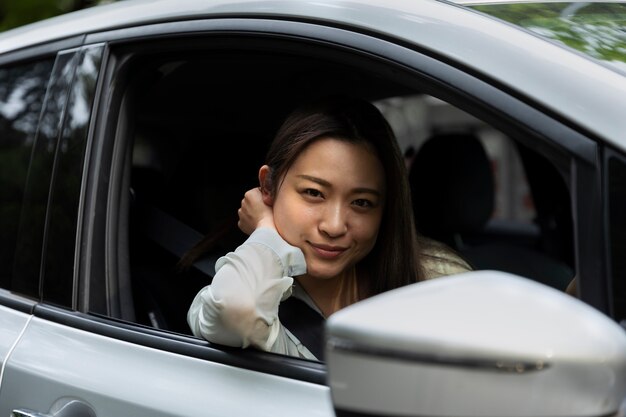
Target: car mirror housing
x=482, y=343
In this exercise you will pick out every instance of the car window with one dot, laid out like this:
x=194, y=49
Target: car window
x=197, y=124
x=416, y=119
x=497, y=224
x=22, y=92
x=46, y=226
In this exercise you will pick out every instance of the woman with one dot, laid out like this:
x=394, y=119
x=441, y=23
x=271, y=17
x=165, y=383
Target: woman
x=331, y=224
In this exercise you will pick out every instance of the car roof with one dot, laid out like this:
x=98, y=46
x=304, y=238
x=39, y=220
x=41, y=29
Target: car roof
x=476, y=2
x=128, y=13
x=542, y=70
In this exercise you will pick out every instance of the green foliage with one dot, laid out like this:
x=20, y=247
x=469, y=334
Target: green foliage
x=15, y=13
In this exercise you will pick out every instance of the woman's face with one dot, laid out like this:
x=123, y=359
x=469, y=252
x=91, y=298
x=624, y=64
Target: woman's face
x=330, y=205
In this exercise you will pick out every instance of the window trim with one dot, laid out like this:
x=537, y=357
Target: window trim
x=609, y=156
x=250, y=359
x=38, y=52
x=17, y=302
x=588, y=216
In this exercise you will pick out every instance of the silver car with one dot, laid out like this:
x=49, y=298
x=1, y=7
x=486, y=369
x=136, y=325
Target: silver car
x=129, y=132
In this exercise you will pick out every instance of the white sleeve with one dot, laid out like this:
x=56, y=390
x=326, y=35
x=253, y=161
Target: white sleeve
x=240, y=307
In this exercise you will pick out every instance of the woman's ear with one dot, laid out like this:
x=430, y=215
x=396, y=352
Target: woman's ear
x=266, y=185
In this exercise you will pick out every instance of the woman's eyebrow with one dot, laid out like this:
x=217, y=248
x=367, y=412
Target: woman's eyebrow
x=325, y=183
x=314, y=179
x=365, y=190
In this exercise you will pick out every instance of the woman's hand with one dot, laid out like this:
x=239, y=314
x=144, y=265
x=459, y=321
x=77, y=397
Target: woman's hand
x=254, y=213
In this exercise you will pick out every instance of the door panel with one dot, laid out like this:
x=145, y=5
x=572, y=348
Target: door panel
x=118, y=378
x=11, y=324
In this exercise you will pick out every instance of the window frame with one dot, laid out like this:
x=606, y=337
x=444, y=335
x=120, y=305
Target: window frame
x=487, y=99
x=43, y=51
x=73, y=135
x=612, y=156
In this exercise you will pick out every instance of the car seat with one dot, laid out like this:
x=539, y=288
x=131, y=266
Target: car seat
x=452, y=188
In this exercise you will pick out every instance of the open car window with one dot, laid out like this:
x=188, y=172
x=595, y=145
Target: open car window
x=193, y=130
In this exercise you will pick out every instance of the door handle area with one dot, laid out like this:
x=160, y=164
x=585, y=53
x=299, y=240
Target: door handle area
x=23, y=412
x=71, y=408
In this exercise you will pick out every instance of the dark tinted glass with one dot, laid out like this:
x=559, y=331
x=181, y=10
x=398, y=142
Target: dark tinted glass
x=617, y=232
x=68, y=174
x=27, y=265
x=22, y=91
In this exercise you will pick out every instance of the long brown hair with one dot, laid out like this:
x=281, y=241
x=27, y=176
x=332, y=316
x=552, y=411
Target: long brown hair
x=395, y=259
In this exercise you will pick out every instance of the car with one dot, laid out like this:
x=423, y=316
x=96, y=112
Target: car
x=129, y=132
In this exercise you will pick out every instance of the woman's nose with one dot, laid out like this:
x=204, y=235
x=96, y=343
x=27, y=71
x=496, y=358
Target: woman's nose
x=334, y=221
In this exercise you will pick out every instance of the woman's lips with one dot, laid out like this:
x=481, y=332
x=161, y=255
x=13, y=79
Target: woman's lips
x=328, y=252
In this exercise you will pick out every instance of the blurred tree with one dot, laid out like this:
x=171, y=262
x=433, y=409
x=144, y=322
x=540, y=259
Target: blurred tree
x=596, y=29
x=14, y=13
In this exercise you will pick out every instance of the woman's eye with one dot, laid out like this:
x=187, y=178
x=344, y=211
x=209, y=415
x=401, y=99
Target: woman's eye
x=363, y=203
x=313, y=192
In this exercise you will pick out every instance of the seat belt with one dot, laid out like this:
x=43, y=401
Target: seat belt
x=305, y=323
x=177, y=237
x=173, y=235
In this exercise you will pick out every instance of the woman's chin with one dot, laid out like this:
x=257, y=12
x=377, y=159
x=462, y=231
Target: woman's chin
x=323, y=273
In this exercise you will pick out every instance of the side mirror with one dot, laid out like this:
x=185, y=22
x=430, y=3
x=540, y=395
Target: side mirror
x=482, y=343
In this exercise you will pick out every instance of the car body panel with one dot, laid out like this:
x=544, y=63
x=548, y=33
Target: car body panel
x=498, y=52
x=12, y=323
x=118, y=378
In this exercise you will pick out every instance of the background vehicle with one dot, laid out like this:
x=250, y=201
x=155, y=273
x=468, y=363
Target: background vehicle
x=130, y=131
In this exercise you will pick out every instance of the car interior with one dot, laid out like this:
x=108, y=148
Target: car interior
x=460, y=190
x=198, y=125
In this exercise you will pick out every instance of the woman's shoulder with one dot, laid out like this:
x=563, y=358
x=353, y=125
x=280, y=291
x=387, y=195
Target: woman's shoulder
x=438, y=259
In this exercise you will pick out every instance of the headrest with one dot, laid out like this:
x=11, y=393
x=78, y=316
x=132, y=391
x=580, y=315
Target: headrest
x=452, y=186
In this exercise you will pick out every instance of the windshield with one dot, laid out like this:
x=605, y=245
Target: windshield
x=596, y=29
